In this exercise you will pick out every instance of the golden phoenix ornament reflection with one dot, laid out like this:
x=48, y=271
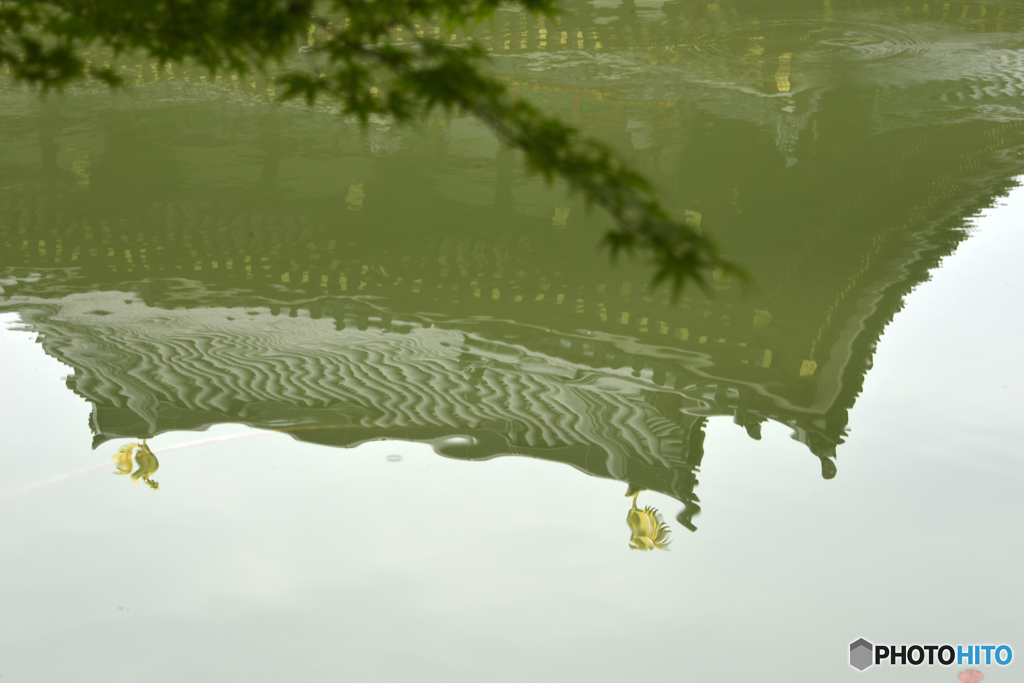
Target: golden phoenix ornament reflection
x=647, y=531
x=144, y=458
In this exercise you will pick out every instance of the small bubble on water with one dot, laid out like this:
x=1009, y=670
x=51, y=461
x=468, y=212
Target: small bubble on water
x=394, y=458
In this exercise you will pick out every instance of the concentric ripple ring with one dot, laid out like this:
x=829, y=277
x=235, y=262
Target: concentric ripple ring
x=824, y=43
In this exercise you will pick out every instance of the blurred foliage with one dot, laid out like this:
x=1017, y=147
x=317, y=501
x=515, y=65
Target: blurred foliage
x=364, y=67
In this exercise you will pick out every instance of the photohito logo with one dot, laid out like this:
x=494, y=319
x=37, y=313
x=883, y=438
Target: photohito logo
x=863, y=654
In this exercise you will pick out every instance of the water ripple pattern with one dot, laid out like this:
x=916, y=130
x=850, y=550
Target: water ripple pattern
x=212, y=360
x=819, y=43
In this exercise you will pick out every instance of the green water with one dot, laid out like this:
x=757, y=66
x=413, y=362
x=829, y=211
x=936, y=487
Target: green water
x=353, y=315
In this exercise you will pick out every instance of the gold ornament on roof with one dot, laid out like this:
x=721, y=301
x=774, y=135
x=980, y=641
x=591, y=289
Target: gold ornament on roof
x=647, y=531
x=144, y=458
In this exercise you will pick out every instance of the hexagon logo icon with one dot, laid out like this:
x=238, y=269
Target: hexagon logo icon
x=861, y=654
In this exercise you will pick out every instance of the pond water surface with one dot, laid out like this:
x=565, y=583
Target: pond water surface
x=377, y=409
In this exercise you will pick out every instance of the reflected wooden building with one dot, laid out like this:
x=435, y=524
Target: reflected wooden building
x=228, y=261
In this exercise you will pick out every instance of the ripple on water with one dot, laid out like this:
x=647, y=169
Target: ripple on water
x=812, y=42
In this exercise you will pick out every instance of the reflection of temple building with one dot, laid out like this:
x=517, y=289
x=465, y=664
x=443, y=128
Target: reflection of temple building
x=230, y=262
x=356, y=373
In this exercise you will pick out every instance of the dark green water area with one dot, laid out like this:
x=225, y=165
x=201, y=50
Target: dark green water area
x=396, y=418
